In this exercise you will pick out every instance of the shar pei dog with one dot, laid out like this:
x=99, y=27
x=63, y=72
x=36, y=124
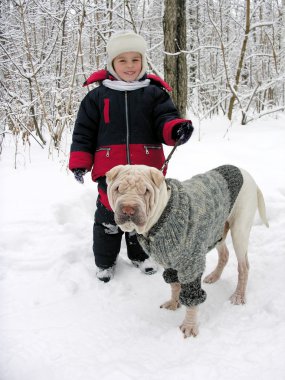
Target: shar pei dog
x=177, y=223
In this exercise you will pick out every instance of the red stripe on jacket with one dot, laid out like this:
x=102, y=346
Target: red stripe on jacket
x=106, y=157
x=106, y=110
x=80, y=160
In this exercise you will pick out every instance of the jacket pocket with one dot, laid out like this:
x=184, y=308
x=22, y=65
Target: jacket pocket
x=106, y=150
x=106, y=111
x=149, y=148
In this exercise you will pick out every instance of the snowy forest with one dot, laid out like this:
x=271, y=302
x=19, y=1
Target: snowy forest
x=225, y=60
x=234, y=54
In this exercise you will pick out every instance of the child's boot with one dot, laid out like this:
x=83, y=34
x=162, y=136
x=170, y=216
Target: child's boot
x=147, y=266
x=105, y=274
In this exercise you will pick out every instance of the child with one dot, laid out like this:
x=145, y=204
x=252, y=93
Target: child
x=124, y=120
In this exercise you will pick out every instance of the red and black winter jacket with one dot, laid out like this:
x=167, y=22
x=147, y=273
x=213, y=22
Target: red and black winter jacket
x=122, y=127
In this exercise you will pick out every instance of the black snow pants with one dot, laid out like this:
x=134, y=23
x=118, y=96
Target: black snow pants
x=107, y=237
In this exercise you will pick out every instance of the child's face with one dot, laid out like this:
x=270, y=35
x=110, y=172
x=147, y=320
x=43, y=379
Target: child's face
x=128, y=65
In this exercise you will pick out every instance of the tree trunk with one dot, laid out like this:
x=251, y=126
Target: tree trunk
x=175, y=64
x=282, y=47
x=241, y=59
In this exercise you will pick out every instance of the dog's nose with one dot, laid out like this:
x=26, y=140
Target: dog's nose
x=128, y=210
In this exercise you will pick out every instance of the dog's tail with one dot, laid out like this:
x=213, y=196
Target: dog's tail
x=261, y=207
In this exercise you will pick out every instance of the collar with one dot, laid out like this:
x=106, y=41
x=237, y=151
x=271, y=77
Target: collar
x=120, y=85
x=173, y=216
x=99, y=76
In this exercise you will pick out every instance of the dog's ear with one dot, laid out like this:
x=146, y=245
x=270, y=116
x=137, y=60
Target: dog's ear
x=157, y=176
x=112, y=174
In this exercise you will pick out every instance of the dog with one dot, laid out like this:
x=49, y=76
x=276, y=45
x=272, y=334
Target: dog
x=177, y=223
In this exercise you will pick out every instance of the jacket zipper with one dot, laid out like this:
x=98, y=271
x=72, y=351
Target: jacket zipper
x=128, y=129
x=107, y=150
x=147, y=147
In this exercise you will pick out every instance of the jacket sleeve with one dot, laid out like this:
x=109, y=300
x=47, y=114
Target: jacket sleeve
x=85, y=134
x=166, y=116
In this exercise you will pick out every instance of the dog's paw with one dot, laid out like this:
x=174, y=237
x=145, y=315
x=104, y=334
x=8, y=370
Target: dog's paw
x=238, y=299
x=189, y=330
x=170, y=305
x=212, y=277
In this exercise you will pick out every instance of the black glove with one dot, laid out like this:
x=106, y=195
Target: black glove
x=182, y=132
x=78, y=174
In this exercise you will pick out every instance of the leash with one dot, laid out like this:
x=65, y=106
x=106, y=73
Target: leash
x=170, y=155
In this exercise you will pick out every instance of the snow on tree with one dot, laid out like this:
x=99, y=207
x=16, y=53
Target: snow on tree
x=234, y=51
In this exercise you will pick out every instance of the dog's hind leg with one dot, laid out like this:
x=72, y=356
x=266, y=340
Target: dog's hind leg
x=240, y=237
x=238, y=297
x=222, y=261
x=173, y=303
x=223, y=257
x=240, y=222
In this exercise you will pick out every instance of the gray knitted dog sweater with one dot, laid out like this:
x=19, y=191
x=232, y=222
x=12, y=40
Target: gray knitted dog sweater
x=191, y=224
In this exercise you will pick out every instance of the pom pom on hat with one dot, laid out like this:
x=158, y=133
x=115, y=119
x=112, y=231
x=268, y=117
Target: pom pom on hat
x=123, y=42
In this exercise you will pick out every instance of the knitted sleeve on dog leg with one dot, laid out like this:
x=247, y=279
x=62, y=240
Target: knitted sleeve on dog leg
x=192, y=294
x=170, y=275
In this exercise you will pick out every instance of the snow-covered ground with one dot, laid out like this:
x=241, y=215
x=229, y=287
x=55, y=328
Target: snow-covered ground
x=58, y=322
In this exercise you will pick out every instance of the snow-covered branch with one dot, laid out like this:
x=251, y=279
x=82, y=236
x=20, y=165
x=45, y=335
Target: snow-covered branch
x=235, y=57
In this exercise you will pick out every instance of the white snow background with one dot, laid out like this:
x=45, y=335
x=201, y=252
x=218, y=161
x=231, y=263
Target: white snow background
x=58, y=322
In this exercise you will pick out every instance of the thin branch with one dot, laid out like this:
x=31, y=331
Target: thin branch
x=267, y=112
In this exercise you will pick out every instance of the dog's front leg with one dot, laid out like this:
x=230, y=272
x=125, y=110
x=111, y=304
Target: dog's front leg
x=191, y=296
x=173, y=303
x=189, y=326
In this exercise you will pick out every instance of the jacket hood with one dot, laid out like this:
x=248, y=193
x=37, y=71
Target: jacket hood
x=99, y=76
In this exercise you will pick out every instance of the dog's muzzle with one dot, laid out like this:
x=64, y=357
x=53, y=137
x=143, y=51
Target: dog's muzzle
x=127, y=215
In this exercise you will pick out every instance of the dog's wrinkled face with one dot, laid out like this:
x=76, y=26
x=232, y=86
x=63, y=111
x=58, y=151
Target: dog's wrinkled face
x=132, y=192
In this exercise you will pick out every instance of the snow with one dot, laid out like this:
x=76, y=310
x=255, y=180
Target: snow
x=58, y=322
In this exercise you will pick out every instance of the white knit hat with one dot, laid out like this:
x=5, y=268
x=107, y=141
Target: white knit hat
x=123, y=42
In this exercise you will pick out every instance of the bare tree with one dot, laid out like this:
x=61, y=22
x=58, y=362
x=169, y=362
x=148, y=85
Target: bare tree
x=240, y=64
x=175, y=65
x=235, y=56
